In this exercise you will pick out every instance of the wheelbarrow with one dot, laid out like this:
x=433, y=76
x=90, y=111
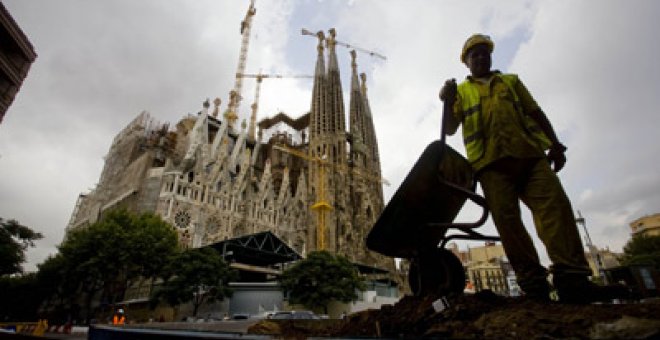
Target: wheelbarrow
x=418, y=221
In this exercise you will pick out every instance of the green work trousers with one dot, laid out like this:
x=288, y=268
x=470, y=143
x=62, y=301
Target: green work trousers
x=507, y=181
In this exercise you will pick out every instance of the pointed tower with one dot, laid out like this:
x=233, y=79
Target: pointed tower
x=335, y=114
x=371, y=142
x=318, y=122
x=359, y=156
x=327, y=141
x=365, y=190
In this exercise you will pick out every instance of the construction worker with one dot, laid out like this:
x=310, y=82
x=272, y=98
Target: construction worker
x=119, y=318
x=506, y=136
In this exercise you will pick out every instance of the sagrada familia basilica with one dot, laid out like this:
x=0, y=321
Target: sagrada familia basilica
x=313, y=181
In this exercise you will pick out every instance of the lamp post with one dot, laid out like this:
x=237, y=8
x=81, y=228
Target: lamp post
x=595, y=257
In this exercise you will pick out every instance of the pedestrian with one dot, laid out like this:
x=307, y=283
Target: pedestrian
x=506, y=136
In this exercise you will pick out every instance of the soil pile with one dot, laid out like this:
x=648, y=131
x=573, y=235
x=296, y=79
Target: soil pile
x=482, y=315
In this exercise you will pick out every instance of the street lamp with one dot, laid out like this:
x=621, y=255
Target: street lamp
x=595, y=256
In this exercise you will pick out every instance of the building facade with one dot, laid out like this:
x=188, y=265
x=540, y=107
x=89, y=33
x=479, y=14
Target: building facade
x=648, y=225
x=308, y=180
x=16, y=57
x=601, y=259
x=487, y=267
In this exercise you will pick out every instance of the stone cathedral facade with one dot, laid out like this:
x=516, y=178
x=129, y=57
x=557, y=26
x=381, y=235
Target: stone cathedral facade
x=309, y=180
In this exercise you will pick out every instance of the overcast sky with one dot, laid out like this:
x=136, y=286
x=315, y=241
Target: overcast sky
x=592, y=66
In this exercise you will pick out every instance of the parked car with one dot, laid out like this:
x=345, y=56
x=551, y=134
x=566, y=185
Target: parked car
x=240, y=316
x=299, y=315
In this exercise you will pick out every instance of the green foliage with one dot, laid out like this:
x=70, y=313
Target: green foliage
x=642, y=250
x=14, y=241
x=321, y=278
x=55, y=280
x=197, y=275
x=106, y=256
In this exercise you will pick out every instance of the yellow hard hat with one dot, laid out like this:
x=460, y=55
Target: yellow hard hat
x=476, y=39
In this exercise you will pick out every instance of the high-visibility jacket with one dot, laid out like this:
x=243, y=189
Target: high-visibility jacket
x=473, y=130
x=118, y=320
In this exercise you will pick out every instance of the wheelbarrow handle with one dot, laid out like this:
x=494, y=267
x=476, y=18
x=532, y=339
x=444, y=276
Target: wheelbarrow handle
x=445, y=110
x=474, y=197
x=446, y=106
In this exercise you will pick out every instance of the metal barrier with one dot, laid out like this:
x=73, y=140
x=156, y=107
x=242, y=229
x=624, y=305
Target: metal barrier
x=102, y=332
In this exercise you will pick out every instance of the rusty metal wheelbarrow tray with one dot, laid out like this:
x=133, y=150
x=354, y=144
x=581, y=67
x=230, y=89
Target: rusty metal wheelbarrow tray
x=425, y=205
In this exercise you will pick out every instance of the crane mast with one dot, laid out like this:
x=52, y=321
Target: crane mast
x=235, y=94
x=321, y=206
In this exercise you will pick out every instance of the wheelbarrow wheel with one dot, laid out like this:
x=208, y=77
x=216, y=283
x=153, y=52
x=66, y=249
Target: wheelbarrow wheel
x=438, y=271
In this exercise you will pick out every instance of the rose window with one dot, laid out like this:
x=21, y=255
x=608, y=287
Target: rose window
x=182, y=219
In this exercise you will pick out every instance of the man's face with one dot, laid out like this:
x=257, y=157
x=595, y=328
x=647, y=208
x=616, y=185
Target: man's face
x=478, y=60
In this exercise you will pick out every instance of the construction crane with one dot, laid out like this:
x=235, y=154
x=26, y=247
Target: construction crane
x=321, y=206
x=235, y=94
x=333, y=32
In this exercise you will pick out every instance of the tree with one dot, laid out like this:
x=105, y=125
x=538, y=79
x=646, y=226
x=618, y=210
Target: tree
x=321, y=278
x=14, y=241
x=198, y=275
x=108, y=255
x=642, y=250
x=54, y=288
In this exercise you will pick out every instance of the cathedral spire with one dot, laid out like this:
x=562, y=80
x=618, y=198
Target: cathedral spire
x=328, y=139
x=363, y=78
x=317, y=109
x=371, y=141
x=370, y=131
x=356, y=116
x=335, y=105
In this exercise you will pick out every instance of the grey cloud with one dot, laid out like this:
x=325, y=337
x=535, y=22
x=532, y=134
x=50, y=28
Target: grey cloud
x=592, y=68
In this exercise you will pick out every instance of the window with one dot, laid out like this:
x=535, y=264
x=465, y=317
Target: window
x=182, y=219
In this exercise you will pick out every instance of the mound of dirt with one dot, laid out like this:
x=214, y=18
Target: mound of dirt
x=482, y=315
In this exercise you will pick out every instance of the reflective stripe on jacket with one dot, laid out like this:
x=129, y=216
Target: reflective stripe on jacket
x=118, y=320
x=473, y=130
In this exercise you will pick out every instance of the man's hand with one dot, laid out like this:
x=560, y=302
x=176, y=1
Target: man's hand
x=448, y=91
x=557, y=157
